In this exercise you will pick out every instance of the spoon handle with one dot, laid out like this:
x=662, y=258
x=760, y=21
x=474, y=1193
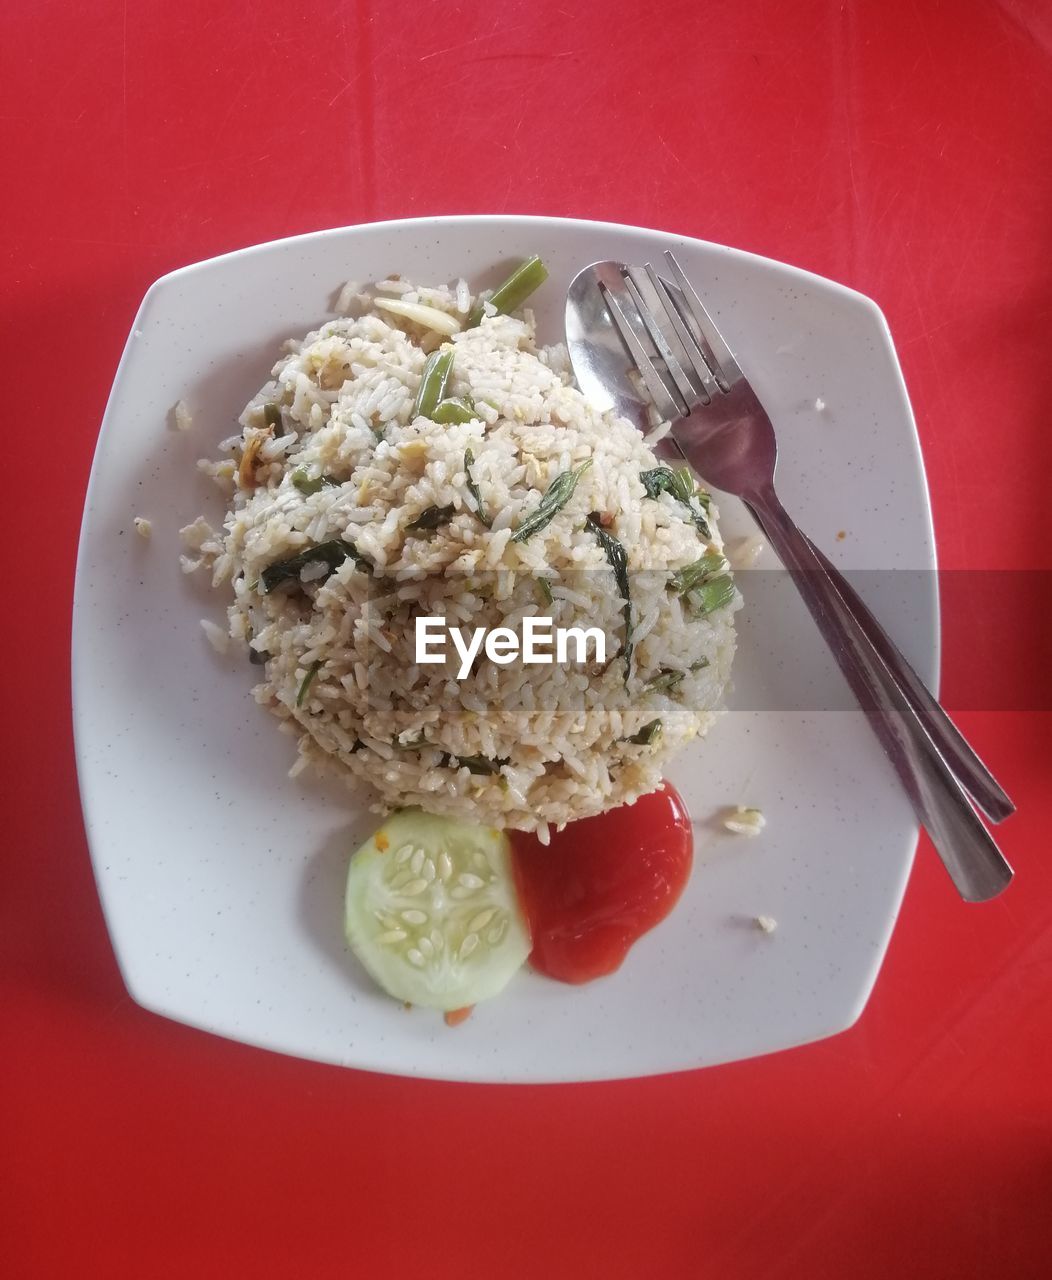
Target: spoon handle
x=975, y=864
x=973, y=775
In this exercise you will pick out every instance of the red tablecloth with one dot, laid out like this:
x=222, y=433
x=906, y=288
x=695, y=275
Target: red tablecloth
x=899, y=147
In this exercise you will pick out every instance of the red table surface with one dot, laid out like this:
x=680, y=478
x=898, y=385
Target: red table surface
x=902, y=148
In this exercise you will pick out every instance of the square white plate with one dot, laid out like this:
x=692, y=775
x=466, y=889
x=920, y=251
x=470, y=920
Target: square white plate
x=222, y=879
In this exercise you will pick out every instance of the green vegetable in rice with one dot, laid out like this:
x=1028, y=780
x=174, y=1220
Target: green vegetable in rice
x=473, y=489
x=431, y=518
x=701, y=524
x=555, y=497
x=684, y=486
x=544, y=591
x=681, y=485
x=308, y=485
x=692, y=575
x=656, y=480
x=705, y=585
x=660, y=480
x=668, y=679
x=513, y=292
x=481, y=766
x=433, y=382
x=665, y=681
x=647, y=736
x=306, y=683
x=332, y=553
x=454, y=409
x=618, y=559
x=272, y=415
x=712, y=595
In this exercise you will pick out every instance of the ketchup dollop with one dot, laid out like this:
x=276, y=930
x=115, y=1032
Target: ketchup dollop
x=602, y=883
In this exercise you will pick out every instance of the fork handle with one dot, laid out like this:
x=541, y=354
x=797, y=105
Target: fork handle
x=975, y=864
x=973, y=775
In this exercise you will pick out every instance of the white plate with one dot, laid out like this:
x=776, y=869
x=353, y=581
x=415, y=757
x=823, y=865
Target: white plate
x=222, y=879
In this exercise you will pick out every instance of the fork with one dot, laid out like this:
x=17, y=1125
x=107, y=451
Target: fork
x=695, y=382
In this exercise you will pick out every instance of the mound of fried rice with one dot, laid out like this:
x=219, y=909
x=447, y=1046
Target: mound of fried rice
x=330, y=450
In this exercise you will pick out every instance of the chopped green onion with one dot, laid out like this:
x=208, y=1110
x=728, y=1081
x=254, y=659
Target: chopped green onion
x=700, y=665
x=618, y=558
x=432, y=383
x=455, y=409
x=692, y=575
x=272, y=415
x=665, y=681
x=308, y=679
x=333, y=553
x=544, y=591
x=513, y=292
x=431, y=518
x=682, y=484
x=555, y=497
x=701, y=524
x=473, y=489
x=711, y=595
x=647, y=736
x=705, y=585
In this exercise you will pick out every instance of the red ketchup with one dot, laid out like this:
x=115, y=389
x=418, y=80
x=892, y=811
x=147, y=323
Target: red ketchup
x=602, y=883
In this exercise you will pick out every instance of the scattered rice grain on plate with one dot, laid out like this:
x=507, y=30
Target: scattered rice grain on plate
x=184, y=419
x=216, y=636
x=742, y=553
x=200, y=538
x=351, y=301
x=143, y=527
x=745, y=822
x=767, y=924
x=345, y=298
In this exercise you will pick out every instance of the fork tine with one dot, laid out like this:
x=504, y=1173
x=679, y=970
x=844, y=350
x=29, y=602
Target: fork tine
x=634, y=281
x=725, y=361
x=699, y=362
x=677, y=304
x=655, y=385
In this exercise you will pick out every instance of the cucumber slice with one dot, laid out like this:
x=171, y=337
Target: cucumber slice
x=433, y=913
